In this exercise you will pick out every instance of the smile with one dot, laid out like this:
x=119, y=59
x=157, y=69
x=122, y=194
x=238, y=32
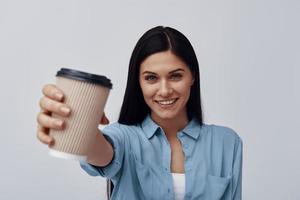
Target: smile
x=167, y=102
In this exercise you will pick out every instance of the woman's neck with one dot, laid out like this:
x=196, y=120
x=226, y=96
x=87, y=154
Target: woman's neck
x=171, y=126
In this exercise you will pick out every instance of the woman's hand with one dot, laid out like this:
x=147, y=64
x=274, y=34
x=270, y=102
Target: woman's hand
x=104, y=120
x=53, y=102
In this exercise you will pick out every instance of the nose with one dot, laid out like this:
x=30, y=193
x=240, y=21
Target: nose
x=165, y=89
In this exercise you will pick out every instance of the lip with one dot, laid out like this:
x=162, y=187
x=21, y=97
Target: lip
x=167, y=99
x=166, y=106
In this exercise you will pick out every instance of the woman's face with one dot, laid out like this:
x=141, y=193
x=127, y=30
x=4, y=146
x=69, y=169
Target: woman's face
x=165, y=81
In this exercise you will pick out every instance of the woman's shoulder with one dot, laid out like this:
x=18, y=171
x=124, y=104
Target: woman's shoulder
x=221, y=131
x=121, y=128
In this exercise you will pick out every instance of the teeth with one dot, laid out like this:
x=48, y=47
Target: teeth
x=168, y=102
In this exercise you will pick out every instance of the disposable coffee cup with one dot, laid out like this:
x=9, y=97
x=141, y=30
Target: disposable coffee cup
x=86, y=94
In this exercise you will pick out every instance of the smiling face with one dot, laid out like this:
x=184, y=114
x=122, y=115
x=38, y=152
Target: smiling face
x=165, y=81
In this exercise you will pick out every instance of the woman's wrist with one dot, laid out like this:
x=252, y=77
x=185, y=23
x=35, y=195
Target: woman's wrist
x=101, y=152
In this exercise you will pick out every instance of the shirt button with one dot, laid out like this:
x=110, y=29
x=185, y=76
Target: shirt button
x=166, y=169
x=169, y=190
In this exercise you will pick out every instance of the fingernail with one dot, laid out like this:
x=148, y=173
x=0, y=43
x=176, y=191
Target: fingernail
x=65, y=110
x=58, y=123
x=59, y=96
x=51, y=142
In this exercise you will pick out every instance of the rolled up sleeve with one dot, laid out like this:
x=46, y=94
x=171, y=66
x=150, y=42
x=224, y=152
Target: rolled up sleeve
x=116, y=137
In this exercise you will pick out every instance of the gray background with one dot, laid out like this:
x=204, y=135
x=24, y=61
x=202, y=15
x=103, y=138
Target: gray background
x=249, y=61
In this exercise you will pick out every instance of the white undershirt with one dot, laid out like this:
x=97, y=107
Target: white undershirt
x=179, y=185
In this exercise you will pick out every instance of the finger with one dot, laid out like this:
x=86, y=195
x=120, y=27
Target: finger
x=43, y=136
x=104, y=119
x=53, y=92
x=50, y=122
x=49, y=105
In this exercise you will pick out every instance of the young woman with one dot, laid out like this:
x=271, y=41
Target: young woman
x=159, y=148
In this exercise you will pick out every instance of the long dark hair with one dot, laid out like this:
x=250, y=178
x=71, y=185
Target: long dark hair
x=134, y=108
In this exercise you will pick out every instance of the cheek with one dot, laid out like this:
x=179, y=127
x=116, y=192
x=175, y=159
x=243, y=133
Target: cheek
x=147, y=91
x=183, y=88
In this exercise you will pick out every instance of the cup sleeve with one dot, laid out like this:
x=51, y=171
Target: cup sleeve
x=114, y=135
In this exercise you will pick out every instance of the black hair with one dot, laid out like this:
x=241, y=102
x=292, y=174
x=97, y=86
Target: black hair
x=158, y=39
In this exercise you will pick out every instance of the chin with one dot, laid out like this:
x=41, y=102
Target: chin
x=166, y=116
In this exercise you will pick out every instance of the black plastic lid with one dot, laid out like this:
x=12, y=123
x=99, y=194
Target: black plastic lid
x=84, y=76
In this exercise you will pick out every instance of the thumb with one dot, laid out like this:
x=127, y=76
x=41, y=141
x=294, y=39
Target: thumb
x=104, y=119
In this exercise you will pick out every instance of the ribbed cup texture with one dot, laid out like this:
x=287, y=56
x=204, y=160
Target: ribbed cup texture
x=87, y=103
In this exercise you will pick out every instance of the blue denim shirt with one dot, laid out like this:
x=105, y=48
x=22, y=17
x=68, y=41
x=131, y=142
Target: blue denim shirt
x=141, y=167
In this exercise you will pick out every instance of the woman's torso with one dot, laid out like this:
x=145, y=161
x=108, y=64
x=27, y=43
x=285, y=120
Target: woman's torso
x=211, y=162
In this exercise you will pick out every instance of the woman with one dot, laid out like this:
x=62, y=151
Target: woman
x=159, y=148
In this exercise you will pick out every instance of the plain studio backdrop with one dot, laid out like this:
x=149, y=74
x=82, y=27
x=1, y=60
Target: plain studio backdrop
x=249, y=59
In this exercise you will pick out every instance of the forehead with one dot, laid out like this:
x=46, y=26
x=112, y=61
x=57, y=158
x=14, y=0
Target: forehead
x=162, y=62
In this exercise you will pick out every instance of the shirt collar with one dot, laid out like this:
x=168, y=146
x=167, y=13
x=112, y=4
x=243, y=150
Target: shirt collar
x=192, y=129
x=149, y=126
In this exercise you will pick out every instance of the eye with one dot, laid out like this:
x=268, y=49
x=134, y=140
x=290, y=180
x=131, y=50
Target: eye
x=150, y=78
x=176, y=76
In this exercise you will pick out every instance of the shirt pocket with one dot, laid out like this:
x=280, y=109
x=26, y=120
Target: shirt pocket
x=216, y=186
x=144, y=177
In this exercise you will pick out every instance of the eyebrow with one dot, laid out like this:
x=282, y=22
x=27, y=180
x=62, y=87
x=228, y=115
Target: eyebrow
x=179, y=69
